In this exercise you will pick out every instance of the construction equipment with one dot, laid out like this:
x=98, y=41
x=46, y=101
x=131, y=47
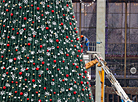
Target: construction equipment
x=115, y=84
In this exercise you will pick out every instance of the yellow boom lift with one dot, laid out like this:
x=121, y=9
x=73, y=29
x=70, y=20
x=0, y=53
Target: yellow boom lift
x=115, y=84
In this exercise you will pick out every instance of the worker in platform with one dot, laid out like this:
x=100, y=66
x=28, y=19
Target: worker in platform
x=85, y=43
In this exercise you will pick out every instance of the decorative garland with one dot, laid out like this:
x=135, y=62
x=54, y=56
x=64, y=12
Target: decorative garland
x=88, y=4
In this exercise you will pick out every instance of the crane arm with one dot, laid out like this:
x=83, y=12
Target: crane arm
x=115, y=84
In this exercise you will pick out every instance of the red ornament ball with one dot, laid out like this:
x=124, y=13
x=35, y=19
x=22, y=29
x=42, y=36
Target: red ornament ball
x=25, y=18
x=21, y=93
x=47, y=28
x=38, y=8
x=2, y=56
x=7, y=72
x=85, y=71
x=39, y=100
x=77, y=66
x=47, y=5
x=67, y=54
x=11, y=14
x=61, y=23
x=81, y=82
x=7, y=10
x=15, y=91
x=33, y=80
x=50, y=100
x=27, y=99
x=63, y=14
x=20, y=73
x=25, y=79
x=17, y=33
x=54, y=92
x=43, y=62
x=67, y=37
x=41, y=46
x=16, y=50
x=67, y=75
x=8, y=45
x=20, y=7
x=77, y=39
x=52, y=11
x=37, y=68
x=4, y=87
x=44, y=88
x=42, y=14
x=57, y=40
x=32, y=5
x=29, y=44
x=54, y=61
x=33, y=63
x=14, y=59
x=67, y=5
x=58, y=69
x=74, y=92
x=4, y=68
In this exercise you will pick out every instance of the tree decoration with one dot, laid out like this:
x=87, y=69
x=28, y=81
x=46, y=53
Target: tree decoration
x=41, y=56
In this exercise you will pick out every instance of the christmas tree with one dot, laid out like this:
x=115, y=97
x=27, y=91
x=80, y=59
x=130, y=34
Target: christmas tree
x=41, y=57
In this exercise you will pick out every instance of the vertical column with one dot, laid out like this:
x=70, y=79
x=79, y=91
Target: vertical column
x=125, y=42
x=100, y=47
x=107, y=97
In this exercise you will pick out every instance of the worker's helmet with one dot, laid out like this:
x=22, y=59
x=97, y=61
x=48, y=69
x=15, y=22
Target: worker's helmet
x=82, y=36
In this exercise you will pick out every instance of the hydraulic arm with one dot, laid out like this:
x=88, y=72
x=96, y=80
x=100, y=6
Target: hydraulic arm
x=115, y=84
